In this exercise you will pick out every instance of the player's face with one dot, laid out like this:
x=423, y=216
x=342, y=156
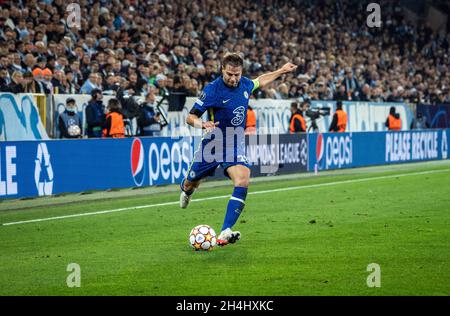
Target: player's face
x=231, y=75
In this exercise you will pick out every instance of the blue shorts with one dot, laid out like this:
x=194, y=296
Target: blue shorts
x=200, y=170
x=204, y=164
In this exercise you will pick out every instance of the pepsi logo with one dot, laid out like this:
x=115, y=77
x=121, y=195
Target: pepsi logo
x=137, y=162
x=319, y=148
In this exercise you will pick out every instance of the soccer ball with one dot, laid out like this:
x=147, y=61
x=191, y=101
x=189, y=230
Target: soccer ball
x=202, y=237
x=74, y=130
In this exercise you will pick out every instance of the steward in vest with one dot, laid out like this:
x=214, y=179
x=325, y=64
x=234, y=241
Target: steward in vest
x=393, y=122
x=69, y=121
x=297, y=122
x=339, y=122
x=114, y=126
x=250, y=123
x=95, y=114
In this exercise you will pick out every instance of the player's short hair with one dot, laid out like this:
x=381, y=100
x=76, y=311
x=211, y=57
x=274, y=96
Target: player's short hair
x=232, y=59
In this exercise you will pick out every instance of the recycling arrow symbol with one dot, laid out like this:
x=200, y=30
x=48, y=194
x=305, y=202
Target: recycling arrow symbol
x=43, y=164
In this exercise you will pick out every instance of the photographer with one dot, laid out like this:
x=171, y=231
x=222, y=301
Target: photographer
x=339, y=122
x=148, y=119
x=297, y=122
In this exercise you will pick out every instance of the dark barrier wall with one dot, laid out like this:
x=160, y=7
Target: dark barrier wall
x=438, y=116
x=347, y=150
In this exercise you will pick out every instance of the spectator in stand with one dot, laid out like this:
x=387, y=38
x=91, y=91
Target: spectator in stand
x=69, y=83
x=28, y=83
x=351, y=85
x=58, y=82
x=194, y=88
x=4, y=79
x=365, y=93
x=90, y=84
x=17, y=84
x=37, y=81
x=341, y=94
x=441, y=98
x=133, y=84
x=327, y=48
x=394, y=96
x=111, y=85
x=46, y=80
x=161, y=84
x=28, y=62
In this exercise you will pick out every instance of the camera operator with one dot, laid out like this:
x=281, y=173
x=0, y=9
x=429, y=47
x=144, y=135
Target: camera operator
x=339, y=122
x=297, y=122
x=149, y=117
x=130, y=108
x=125, y=95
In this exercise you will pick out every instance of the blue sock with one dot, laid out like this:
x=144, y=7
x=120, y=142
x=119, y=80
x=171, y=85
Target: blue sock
x=235, y=207
x=182, y=188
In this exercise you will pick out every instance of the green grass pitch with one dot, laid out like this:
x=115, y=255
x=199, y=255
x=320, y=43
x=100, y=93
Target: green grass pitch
x=316, y=240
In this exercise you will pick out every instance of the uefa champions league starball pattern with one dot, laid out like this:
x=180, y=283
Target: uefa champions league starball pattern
x=202, y=237
x=74, y=130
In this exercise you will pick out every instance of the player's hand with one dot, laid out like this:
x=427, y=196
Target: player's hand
x=289, y=67
x=209, y=125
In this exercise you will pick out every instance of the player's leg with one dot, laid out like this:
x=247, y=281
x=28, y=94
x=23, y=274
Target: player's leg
x=187, y=189
x=240, y=175
x=189, y=186
x=196, y=172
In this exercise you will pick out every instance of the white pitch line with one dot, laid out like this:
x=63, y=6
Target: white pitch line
x=227, y=196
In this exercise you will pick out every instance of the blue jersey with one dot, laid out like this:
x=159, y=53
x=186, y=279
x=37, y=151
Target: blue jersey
x=226, y=105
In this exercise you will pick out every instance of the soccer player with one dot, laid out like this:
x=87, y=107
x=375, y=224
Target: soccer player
x=226, y=99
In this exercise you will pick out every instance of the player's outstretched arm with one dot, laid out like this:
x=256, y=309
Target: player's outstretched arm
x=196, y=122
x=267, y=78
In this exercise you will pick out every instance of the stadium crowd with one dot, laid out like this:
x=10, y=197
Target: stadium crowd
x=176, y=45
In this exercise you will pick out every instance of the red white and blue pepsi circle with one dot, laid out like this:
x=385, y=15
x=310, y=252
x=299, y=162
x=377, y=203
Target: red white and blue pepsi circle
x=319, y=148
x=137, y=162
